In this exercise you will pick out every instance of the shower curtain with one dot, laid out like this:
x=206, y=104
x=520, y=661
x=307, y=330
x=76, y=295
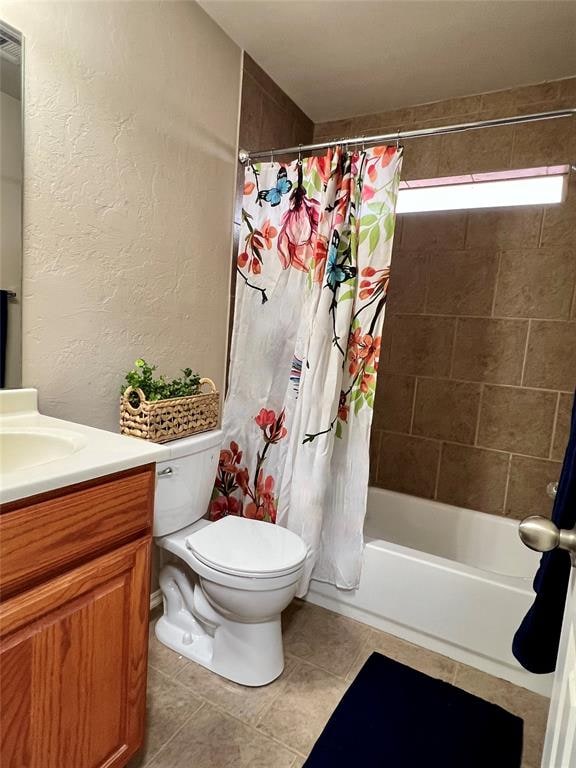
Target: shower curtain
x=312, y=278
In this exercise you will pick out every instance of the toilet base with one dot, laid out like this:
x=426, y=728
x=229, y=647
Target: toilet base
x=250, y=654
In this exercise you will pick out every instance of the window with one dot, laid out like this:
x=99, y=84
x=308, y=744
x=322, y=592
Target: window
x=528, y=186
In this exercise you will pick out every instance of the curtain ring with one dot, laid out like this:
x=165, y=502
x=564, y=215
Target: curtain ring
x=363, y=144
x=299, y=154
x=398, y=139
x=272, y=157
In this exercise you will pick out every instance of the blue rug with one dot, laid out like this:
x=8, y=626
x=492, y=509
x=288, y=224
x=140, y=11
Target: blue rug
x=395, y=717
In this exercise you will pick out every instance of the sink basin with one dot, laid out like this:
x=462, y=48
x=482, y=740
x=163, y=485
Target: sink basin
x=21, y=447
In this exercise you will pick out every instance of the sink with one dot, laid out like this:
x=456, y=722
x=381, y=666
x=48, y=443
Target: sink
x=39, y=453
x=22, y=447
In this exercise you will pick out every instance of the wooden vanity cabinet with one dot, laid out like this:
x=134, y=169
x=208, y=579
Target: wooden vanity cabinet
x=75, y=584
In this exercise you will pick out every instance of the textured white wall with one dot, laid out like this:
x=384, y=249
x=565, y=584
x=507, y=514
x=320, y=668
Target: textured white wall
x=131, y=112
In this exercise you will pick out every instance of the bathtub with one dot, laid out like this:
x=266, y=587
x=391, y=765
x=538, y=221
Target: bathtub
x=449, y=579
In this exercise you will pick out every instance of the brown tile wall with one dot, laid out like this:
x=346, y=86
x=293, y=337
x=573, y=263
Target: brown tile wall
x=268, y=118
x=479, y=347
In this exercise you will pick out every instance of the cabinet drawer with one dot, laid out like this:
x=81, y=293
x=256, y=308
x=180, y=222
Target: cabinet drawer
x=43, y=536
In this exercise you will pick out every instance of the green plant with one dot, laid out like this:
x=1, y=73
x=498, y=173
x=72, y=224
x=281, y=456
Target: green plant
x=142, y=377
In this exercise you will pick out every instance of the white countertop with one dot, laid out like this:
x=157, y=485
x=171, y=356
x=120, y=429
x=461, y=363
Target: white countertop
x=96, y=452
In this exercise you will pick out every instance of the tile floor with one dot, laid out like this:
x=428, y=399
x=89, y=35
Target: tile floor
x=197, y=718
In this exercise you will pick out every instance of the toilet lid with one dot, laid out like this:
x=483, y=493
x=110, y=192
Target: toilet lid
x=238, y=545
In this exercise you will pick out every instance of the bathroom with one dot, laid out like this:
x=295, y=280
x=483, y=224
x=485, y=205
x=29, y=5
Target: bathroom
x=130, y=243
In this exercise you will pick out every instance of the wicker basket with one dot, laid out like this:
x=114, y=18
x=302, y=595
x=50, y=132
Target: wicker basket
x=163, y=420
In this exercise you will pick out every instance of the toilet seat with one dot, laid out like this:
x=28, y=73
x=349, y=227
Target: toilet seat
x=242, y=547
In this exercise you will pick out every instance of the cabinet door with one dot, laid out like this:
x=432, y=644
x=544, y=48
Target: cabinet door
x=73, y=665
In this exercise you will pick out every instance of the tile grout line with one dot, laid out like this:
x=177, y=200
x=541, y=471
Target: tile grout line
x=466, y=231
x=512, y=147
x=507, y=486
x=496, y=281
x=438, y=467
x=253, y=726
x=413, y=412
x=554, y=427
x=428, y=270
x=468, y=445
x=478, y=415
x=255, y=729
x=204, y=701
x=502, y=385
x=340, y=678
x=453, y=350
x=210, y=704
x=356, y=658
x=165, y=744
x=573, y=304
x=261, y=712
x=462, y=316
x=250, y=726
x=525, y=356
x=541, y=228
x=374, y=465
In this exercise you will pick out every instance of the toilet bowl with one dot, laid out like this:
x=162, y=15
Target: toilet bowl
x=229, y=581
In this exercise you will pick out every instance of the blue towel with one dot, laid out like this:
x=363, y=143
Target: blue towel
x=536, y=641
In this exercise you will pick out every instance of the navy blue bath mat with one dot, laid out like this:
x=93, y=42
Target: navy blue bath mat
x=395, y=717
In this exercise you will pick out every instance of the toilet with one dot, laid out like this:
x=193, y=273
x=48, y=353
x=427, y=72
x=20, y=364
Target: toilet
x=228, y=581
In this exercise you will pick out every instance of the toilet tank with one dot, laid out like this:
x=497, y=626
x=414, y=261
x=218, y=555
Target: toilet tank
x=184, y=482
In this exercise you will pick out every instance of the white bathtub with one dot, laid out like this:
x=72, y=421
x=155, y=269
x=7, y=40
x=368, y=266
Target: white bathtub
x=452, y=580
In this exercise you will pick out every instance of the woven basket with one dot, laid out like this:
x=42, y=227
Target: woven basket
x=163, y=420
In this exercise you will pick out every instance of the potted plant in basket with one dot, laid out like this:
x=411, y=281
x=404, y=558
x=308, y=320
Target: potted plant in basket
x=159, y=410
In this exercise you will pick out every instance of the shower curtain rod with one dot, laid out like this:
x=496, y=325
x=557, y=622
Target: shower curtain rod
x=245, y=156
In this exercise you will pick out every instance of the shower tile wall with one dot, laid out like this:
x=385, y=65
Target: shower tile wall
x=268, y=118
x=479, y=350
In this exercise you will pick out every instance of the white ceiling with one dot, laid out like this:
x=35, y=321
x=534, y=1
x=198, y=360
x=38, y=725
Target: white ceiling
x=339, y=58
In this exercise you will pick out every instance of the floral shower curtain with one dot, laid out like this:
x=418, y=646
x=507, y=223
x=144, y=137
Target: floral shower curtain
x=312, y=277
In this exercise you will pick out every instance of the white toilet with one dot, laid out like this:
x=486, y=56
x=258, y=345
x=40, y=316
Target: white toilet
x=232, y=578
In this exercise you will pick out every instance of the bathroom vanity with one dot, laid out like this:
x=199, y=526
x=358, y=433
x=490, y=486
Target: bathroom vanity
x=75, y=538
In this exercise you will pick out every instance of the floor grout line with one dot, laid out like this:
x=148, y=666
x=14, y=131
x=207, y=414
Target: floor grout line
x=165, y=744
x=251, y=727
x=269, y=704
x=204, y=701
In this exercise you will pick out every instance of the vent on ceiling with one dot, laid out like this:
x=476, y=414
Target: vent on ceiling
x=10, y=48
